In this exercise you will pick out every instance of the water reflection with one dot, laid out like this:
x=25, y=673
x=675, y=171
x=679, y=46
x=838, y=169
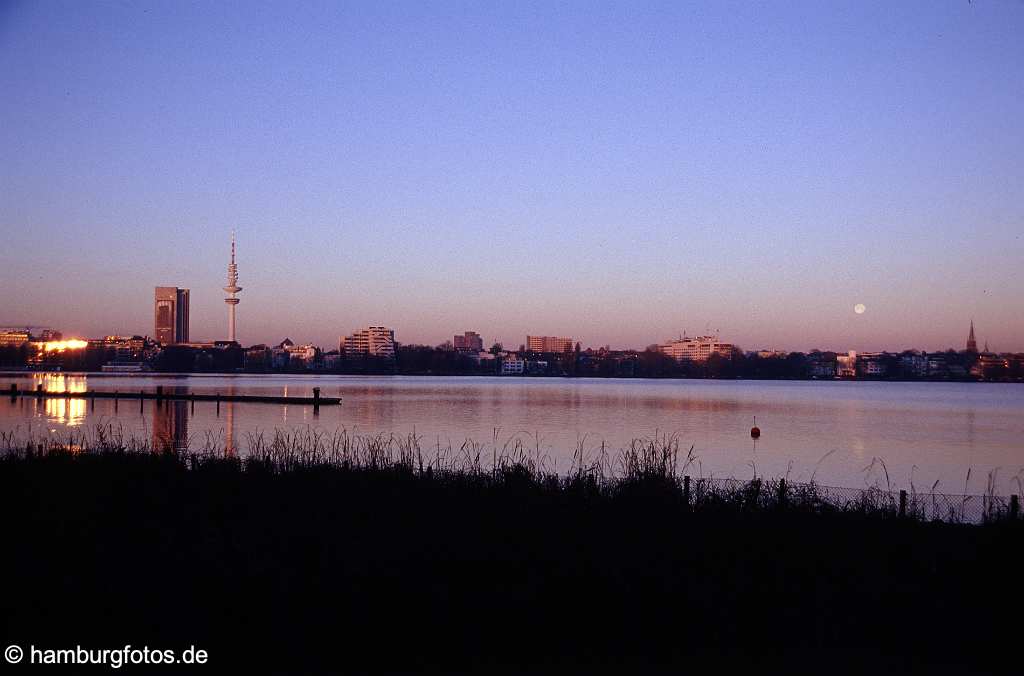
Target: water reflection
x=230, y=447
x=170, y=426
x=70, y=411
x=230, y=450
x=834, y=428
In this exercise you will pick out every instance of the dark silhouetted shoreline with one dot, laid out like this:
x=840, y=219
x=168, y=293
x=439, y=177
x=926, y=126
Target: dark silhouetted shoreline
x=294, y=560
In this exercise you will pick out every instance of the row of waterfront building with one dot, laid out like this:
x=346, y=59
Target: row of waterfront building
x=535, y=356
x=172, y=348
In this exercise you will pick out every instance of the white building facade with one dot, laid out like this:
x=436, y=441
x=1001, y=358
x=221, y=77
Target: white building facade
x=373, y=341
x=548, y=344
x=697, y=349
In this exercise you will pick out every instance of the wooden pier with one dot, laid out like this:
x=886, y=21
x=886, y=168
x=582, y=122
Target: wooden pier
x=160, y=395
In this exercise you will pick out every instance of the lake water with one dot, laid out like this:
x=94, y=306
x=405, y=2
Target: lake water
x=923, y=432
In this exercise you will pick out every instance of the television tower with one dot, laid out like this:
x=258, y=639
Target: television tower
x=232, y=288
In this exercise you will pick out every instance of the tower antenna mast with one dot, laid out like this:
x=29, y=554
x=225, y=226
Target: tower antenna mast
x=232, y=288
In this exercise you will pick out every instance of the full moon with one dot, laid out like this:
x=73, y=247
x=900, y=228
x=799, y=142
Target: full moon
x=859, y=308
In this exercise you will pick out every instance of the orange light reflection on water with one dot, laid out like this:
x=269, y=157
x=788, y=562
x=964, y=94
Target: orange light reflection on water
x=70, y=412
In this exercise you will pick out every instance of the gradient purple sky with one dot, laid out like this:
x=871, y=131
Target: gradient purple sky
x=618, y=173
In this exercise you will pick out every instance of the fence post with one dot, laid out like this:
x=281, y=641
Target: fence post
x=1014, y=507
x=686, y=491
x=903, y=503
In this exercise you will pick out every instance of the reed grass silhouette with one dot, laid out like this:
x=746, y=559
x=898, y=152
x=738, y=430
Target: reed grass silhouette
x=347, y=553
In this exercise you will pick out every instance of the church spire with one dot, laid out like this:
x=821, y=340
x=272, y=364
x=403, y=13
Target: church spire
x=972, y=343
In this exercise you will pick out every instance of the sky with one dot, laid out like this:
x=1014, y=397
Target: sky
x=615, y=172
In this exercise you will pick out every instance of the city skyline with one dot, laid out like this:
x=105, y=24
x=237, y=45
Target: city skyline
x=620, y=176
x=380, y=340
x=173, y=326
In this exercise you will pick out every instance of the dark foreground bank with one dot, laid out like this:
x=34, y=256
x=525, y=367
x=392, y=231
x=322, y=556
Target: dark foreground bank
x=290, y=565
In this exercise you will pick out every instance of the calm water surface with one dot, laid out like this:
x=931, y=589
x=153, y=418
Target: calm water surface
x=923, y=432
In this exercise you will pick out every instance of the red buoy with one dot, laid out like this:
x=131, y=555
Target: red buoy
x=755, y=431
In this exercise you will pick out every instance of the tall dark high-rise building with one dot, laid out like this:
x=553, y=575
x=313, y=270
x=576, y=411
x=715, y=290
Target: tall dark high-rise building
x=170, y=315
x=972, y=343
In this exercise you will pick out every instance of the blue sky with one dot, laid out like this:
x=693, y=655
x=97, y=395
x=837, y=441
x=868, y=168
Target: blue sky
x=614, y=172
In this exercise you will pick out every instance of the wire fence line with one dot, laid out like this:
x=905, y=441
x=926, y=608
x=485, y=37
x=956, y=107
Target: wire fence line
x=924, y=506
